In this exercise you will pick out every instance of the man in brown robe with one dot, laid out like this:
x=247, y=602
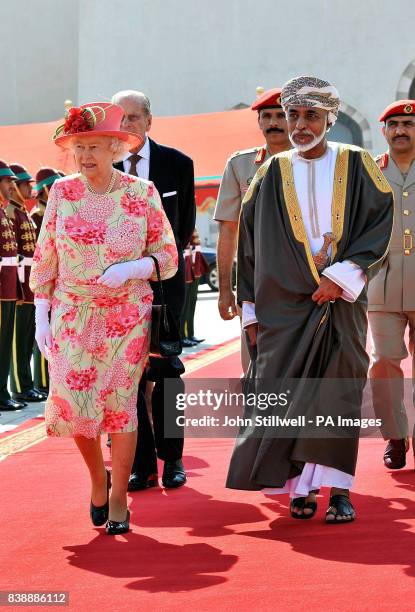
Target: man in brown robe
x=315, y=226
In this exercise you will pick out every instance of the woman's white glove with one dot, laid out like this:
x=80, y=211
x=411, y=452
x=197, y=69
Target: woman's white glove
x=118, y=274
x=43, y=334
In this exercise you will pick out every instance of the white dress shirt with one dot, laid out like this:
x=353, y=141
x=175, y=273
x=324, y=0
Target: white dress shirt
x=143, y=166
x=346, y=274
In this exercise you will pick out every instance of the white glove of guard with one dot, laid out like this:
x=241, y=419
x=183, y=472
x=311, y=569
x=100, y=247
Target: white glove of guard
x=43, y=334
x=118, y=274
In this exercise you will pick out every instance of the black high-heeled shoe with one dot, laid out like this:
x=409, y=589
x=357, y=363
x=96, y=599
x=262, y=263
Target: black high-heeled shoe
x=117, y=527
x=99, y=514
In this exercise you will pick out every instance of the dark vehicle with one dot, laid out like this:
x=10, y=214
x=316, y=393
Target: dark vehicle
x=211, y=278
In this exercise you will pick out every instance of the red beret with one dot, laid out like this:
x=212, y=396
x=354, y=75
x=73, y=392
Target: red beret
x=400, y=107
x=268, y=99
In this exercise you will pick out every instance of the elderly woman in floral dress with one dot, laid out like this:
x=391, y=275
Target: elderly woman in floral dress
x=91, y=267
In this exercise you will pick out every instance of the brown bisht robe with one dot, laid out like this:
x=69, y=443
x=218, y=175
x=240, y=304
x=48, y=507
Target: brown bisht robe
x=297, y=339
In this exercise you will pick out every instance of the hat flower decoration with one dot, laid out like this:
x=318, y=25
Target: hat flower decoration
x=95, y=119
x=79, y=120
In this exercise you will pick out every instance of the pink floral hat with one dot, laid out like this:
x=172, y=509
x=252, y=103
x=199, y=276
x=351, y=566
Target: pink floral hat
x=96, y=119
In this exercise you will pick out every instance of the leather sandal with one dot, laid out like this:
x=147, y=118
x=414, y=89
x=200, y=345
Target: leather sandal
x=302, y=504
x=342, y=506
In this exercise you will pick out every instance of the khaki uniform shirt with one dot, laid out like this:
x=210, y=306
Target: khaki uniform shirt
x=393, y=289
x=239, y=171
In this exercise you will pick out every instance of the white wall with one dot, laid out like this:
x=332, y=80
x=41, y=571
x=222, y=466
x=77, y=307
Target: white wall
x=193, y=56
x=39, y=59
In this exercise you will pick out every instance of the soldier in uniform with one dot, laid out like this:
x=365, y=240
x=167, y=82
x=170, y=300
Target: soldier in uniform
x=45, y=177
x=392, y=293
x=21, y=380
x=195, y=266
x=10, y=290
x=239, y=171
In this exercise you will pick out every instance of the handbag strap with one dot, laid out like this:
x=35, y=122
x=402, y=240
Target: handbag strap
x=160, y=284
x=156, y=264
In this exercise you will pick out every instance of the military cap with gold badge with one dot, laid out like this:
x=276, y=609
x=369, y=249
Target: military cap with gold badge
x=268, y=99
x=400, y=107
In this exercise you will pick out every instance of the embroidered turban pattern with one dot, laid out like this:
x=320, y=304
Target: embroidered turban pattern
x=313, y=92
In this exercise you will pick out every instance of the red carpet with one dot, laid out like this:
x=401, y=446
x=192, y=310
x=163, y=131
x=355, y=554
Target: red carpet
x=205, y=547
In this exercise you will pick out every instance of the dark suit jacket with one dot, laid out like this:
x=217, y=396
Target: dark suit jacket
x=172, y=174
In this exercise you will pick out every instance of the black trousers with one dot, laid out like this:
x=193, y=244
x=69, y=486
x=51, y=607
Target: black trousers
x=40, y=370
x=151, y=441
x=6, y=341
x=21, y=379
x=188, y=315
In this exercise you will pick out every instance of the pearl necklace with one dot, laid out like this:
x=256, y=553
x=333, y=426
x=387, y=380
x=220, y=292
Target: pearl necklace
x=108, y=189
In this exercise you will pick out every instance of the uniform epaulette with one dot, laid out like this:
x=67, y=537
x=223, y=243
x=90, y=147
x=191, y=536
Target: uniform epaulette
x=261, y=172
x=37, y=210
x=245, y=152
x=9, y=210
x=382, y=160
x=260, y=156
x=18, y=205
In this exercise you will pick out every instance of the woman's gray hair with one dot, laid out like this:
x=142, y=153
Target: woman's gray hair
x=137, y=97
x=119, y=148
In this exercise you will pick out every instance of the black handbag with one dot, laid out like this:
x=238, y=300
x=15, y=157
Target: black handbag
x=165, y=338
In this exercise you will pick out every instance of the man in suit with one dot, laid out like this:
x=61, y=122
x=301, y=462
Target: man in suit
x=172, y=174
x=392, y=293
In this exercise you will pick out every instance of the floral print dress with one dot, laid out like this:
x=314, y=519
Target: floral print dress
x=100, y=335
